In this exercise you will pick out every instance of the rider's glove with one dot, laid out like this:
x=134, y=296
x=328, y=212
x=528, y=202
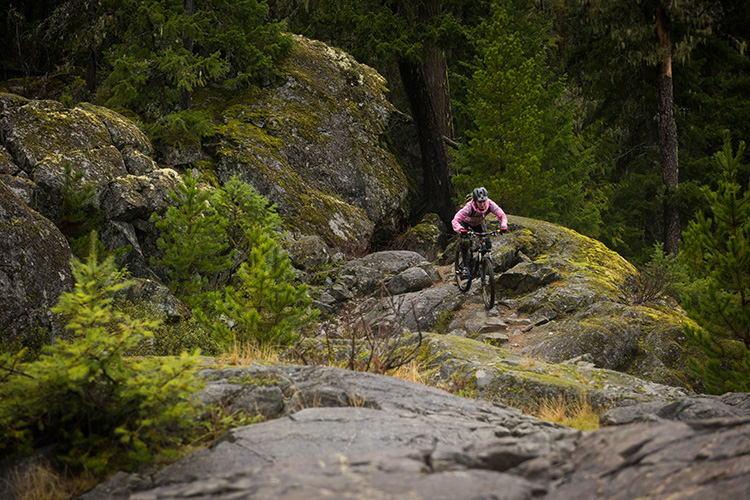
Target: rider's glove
x=503, y=230
x=464, y=233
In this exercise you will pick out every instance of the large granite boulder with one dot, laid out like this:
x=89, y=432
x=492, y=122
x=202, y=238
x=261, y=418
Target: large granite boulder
x=41, y=136
x=313, y=144
x=34, y=269
x=315, y=147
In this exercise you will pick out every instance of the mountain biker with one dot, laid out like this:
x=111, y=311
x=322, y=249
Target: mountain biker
x=471, y=218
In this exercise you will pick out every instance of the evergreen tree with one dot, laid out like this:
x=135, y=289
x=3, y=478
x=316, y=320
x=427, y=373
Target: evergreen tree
x=103, y=410
x=193, y=242
x=717, y=251
x=262, y=305
x=80, y=215
x=265, y=308
x=171, y=48
x=244, y=210
x=523, y=146
x=625, y=55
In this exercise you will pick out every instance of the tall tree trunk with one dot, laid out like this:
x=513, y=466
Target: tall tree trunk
x=91, y=72
x=667, y=133
x=435, y=69
x=426, y=86
x=438, y=189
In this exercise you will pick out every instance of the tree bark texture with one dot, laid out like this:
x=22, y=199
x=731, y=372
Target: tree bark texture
x=667, y=134
x=438, y=189
x=435, y=69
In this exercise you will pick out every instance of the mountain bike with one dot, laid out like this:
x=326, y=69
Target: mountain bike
x=478, y=267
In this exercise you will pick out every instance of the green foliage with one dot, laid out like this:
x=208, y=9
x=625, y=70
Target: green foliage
x=193, y=241
x=265, y=308
x=245, y=212
x=262, y=306
x=170, y=337
x=523, y=147
x=181, y=128
x=104, y=411
x=716, y=250
x=166, y=53
x=80, y=215
x=662, y=276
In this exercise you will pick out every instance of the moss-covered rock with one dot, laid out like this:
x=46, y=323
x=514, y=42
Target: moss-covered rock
x=314, y=146
x=523, y=382
x=34, y=269
x=572, y=291
x=428, y=238
x=641, y=341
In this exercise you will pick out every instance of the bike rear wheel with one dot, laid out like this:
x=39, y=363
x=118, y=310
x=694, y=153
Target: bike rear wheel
x=487, y=274
x=462, y=276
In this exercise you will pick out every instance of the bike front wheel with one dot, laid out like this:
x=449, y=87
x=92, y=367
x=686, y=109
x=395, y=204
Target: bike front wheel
x=487, y=274
x=461, y=272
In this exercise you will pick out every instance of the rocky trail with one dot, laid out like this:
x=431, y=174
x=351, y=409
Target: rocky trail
x=502, y=325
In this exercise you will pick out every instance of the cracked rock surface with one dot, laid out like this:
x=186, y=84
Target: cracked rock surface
x=375, y=437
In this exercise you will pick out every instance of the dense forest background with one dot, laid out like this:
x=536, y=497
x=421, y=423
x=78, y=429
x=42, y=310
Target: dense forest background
x=603, y=116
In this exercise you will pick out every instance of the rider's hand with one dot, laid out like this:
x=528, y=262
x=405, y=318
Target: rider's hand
x=503, y=230
x=464, y=233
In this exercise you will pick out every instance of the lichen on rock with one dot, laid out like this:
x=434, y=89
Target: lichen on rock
x=313, y=147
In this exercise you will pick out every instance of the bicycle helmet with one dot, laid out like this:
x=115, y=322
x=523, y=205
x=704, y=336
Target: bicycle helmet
x=480, y=194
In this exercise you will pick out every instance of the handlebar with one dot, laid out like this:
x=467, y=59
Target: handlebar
x=476, y=234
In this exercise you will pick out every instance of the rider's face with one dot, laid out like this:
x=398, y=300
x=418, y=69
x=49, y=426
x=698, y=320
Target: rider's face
x=481, y=204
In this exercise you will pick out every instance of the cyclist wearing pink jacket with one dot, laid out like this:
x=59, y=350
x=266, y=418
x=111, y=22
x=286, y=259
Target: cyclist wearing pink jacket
x=471, y=218
x=472, y=215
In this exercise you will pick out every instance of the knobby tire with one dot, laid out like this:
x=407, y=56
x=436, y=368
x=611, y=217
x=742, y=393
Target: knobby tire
x=463, y=283
x=488, y=282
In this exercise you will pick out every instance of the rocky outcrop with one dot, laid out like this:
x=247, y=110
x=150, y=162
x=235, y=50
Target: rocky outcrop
x=496, y=374
x=337, y=433
x=110, y=152
x=315, y=147
x=562, y=301
x=580, y=306
x=729, y=405
x=34, y=269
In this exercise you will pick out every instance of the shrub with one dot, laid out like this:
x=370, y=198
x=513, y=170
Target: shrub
x=193, y=242
x=265, y=308
x=362, y=344
x=170, y=338
x=80, y=215
x=662, y=276
x=262, y=306
x=102, y=410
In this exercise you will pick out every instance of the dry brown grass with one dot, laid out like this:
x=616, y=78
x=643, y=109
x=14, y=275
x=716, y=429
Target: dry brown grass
x=244, y=354
x=413, y=371
x=42, y=482
x=577, y=414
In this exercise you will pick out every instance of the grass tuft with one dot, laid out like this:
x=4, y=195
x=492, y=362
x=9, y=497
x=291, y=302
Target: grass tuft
x=579, y=414
x=41, y=482
x=243, y=354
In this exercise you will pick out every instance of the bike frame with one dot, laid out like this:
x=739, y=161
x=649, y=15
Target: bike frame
x=480, y=265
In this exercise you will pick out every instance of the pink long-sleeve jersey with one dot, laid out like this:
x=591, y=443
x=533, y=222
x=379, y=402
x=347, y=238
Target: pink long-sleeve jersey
x=473, y=216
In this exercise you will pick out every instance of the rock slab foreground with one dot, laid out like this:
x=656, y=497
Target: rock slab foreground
x=383, y=438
